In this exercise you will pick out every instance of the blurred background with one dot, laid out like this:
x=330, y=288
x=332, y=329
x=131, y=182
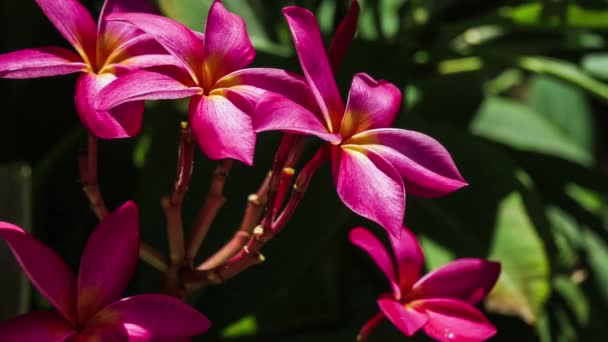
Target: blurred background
x=516, y=90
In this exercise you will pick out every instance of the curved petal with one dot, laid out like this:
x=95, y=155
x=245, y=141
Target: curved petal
x=44, y=326
x=108, y=260
x=179, y=40
x=119, y=122
x=369, y=186
x=282, y=82
x=405, y=318
x=277, y=113
x=121, y=32
x=158, y=86
x=410, y=258
x=371, y=104
x=309, y=46
x=45, y=269
x=222, y=129
x=74, y=22
x=466, y=279
x=40, y=62
x=452, y=320
x=365, y=240
x=146, y=316
x=425, y=165
x=343, y=37
x=227, y=45
x=138, y=62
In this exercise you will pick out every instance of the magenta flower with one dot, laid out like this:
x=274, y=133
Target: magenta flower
x=440, y=302
x=89, y=308
x=103, y=52
x=373, y=166
x=222, y=93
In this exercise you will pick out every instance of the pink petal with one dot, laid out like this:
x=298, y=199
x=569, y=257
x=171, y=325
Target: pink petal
x=119, y=122
x=227, y=45
x=410, y=258
x=279, y=81
x=466, y=279
x=145, y=61
x=158, y=86
x=405, y=318
x=369, y=186
x=45, y=269
x=454, y=321
x=221, y=128
x=425, y=165
x=40, y=62
x=179, y=40
x=44, y=326
x=365, y=240
x=108, y=260
x=371, y=104
x=113, y=33
x=117, y=48
x=277, y=113
x=146, y=316
x=94, y=336
x=309, y=46
x=74, y=23
x=343, y=37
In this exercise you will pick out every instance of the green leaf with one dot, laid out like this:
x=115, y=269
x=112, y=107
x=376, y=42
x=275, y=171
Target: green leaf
x=523, y=286
x=518, y=126
x=575, y=16
x=574, y=298
x=596, y=64
x=245, y=326
x=597, y=257
x=192, y=13
x=566, y=107
x=567, y=71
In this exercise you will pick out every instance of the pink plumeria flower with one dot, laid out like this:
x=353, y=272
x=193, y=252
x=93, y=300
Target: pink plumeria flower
x=223, y=94
x=89, y=307
x=104, y=51
x=373, y=165
x=441, y=302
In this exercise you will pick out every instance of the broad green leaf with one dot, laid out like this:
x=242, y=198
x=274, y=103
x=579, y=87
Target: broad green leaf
x=518, y=126
x=596, y=64
x=192, y=13
x=567, y=236
x=523, y=286
x=435, y=254
x=565, y=106
x=567, y=71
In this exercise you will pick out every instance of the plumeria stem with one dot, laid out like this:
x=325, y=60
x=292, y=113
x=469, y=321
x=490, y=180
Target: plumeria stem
x=369, y=327
x=255, y=207
x=212, y=205
x=88, y=178
x=248, y=253
x=173, y=204
x=300, y=187
x=90, y=187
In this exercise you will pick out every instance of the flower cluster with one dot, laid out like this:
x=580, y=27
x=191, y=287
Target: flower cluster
x=134, y=54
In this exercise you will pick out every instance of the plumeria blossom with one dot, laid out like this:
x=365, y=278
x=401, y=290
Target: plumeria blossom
x=373, y=166
x=223, y=94
x=441, y=302
x=89, y=307
x=103, y=52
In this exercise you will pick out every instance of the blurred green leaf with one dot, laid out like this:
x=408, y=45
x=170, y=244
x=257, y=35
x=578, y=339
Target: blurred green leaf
x=567, y=71
x=596, y=64
x=245, y=326
x=518, y=126
x=192, y=13
x=573, y=297
x=597, y=257
x=566, y=107
x=523, y=286
x=575, y=16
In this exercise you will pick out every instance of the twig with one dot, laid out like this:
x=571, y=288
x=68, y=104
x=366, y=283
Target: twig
x=173, y=205
x=88, y=178
x=212, y=205
x=255, y=207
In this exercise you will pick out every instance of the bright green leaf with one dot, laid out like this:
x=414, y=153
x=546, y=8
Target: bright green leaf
x=246, y=326
x=596, y=64
x=523, y=286
x=518, y=126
